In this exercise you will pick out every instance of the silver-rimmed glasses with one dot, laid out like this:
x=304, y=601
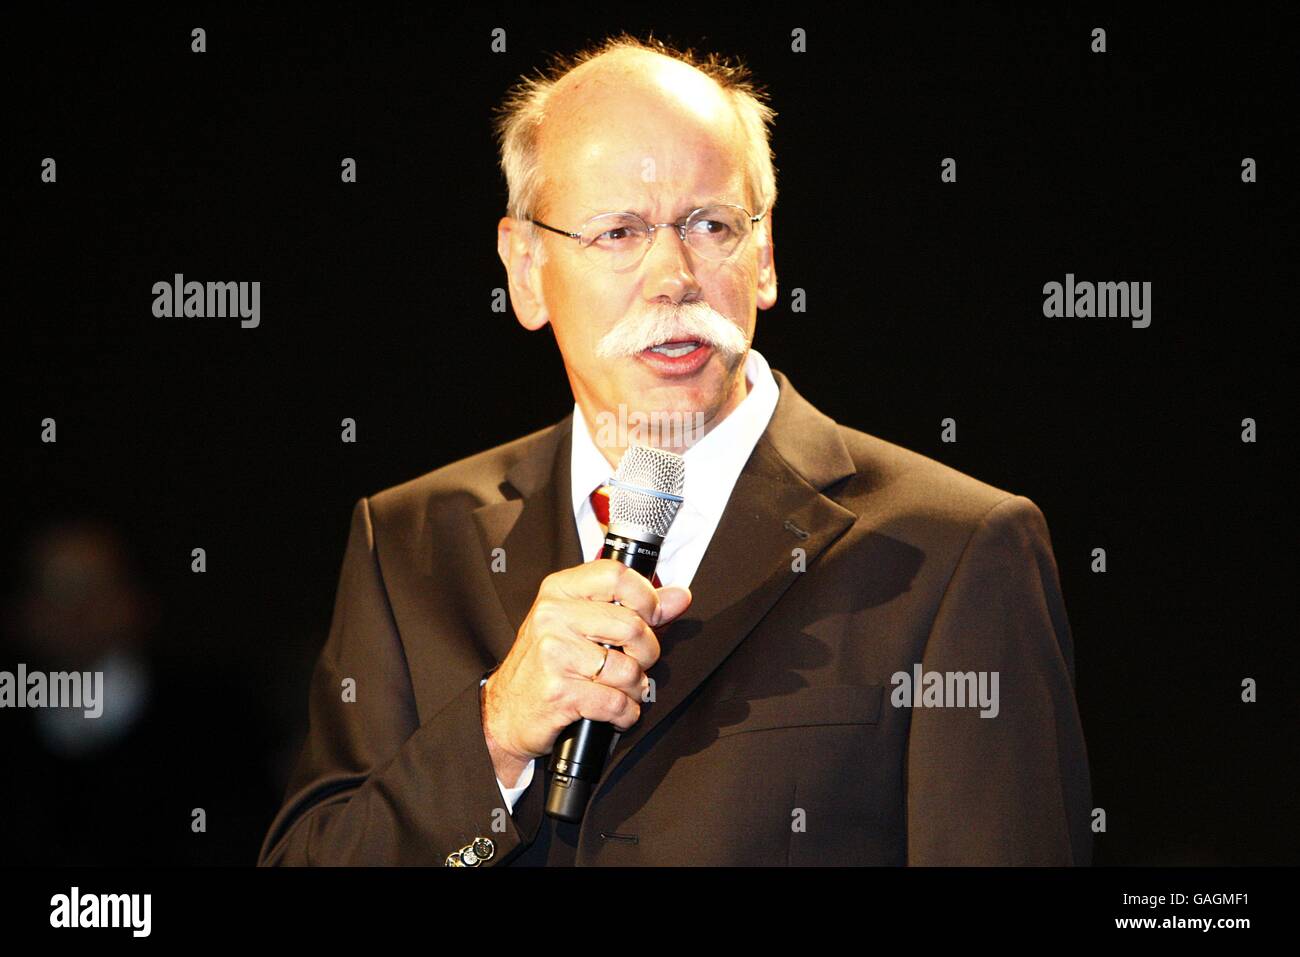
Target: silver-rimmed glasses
x=620, y=240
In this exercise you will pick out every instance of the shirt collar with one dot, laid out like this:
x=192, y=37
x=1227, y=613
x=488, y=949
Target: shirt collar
x=712, y=464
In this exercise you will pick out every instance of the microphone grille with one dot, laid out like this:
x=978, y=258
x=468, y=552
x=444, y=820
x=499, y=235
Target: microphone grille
x=653, y=470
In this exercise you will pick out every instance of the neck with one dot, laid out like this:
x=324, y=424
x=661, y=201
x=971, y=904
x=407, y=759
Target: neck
x=673, y=432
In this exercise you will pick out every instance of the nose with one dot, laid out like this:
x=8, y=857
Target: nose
x=667, y=266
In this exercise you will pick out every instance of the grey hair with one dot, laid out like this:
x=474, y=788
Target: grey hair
x=518, y=121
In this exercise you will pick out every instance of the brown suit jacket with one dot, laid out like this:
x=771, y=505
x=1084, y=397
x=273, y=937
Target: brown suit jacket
x=773, y=737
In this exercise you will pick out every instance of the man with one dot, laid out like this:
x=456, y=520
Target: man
x=758, y=690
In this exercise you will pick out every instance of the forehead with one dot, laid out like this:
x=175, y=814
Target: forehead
x=659, y=142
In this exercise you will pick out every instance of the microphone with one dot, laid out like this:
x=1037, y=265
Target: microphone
x=645, y=494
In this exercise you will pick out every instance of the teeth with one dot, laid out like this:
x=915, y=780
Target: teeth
x=675, y=351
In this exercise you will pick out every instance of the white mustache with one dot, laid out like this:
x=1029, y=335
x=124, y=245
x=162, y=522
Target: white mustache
x=664, y=323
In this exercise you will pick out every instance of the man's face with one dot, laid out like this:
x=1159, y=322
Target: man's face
x=659, y=150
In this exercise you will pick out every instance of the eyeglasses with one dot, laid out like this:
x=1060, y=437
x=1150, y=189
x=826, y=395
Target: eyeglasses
x=621, y=240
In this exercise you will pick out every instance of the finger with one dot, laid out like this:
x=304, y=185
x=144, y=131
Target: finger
x=622, y=672
x=673, y=600
x=601, y=703
x=605, y=580
x=612, y=625
x=579, y=659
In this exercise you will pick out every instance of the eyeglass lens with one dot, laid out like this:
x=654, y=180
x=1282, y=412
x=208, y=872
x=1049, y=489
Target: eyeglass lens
x=711, y=233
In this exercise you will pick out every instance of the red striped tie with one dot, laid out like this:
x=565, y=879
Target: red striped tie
x=600, y=502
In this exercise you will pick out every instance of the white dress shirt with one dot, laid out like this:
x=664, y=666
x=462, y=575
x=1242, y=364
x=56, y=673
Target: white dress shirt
x=713, y=464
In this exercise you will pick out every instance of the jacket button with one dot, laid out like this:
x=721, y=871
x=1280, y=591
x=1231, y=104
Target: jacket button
x=472, y=854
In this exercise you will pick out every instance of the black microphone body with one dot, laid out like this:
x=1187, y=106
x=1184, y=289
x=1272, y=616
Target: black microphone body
x=578, y=757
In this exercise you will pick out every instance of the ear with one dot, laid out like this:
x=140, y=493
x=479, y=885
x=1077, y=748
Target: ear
x=766, y=297
x=523, y=273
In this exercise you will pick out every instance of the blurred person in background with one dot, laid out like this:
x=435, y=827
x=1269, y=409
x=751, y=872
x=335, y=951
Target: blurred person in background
x=173, y=736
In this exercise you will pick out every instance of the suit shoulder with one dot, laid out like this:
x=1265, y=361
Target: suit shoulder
x=468, y=482
x=895, y=480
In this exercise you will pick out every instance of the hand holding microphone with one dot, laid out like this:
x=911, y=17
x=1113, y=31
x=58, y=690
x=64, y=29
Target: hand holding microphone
x=546, y=681
x=559, y=690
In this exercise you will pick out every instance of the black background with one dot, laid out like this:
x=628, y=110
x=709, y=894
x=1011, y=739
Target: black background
x=924, y=301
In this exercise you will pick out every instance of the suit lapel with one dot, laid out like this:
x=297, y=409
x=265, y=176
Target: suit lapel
x=748, y=564
x=535, y=526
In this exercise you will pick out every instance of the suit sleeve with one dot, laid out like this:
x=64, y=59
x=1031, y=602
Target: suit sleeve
x=373, y=786
x=1013, y=788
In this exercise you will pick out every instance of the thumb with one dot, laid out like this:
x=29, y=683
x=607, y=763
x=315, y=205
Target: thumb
x=673, y=600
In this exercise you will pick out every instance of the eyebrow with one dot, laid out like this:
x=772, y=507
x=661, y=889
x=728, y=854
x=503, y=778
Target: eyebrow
x=685, y=210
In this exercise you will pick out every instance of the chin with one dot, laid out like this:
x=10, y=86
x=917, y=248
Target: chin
x=678, y=397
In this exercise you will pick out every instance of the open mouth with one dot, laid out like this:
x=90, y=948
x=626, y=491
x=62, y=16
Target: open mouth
x=677, y=357
x=676, y=348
